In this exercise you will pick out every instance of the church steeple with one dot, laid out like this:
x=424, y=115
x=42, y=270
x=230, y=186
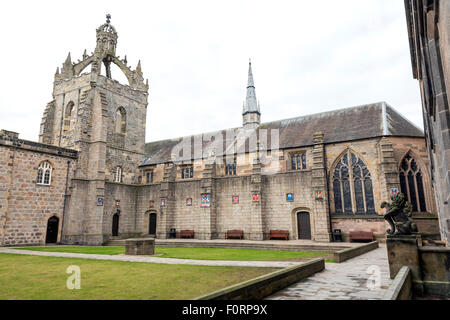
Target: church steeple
x=250, y=112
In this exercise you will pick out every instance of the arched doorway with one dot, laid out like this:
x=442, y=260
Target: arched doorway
x=303, y=225
x=52, y=230
x=152, y=223
x=115, y=225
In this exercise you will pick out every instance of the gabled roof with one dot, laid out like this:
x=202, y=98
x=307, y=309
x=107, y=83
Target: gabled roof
x=355, y=123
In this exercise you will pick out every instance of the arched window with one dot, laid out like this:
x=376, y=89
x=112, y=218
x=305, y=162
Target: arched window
x=411, y=183
x=68, y=115
x=118, y=175
x=121, y=121
x=44, y=175
x=352, y=186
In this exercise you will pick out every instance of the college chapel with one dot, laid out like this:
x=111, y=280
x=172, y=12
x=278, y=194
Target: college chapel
x=92, y=177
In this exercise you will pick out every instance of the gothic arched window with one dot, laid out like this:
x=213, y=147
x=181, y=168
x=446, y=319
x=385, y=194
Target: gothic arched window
x=352, y=186
x=44, y=175
x=121, y=121
x=68, y=115
x=411, y=183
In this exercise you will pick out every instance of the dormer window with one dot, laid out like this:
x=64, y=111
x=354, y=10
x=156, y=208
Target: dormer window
x=298, y=161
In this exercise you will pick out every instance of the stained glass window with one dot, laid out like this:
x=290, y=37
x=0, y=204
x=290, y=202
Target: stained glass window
x=352, y=186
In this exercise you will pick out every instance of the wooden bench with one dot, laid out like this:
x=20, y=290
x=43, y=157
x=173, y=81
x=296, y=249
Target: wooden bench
x=233, y=234
x=186, y=233
x=284, y=234
x=361, y=236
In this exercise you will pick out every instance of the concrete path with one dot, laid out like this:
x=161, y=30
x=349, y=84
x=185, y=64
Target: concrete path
x=267, y=264
x=343, y=281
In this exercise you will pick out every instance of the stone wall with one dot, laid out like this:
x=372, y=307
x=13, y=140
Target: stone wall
x=26, y=206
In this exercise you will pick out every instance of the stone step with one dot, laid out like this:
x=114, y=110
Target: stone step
x=236, y=245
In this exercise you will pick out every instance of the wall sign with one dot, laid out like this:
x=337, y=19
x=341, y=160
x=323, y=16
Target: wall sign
x=151, y=203
x=189, y=201
x=163, y=202
x=205, y=199
x=318, y=194
x=289, y=197
x=255, y=197
x=394, y=191
x=99, y=201
x=235, y=199
x=117, y=203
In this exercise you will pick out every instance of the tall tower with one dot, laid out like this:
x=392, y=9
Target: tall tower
x=105, y=121
x=251, y=115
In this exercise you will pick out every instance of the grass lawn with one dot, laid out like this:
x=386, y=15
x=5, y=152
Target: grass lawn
x=34, y=277
x=199, y=253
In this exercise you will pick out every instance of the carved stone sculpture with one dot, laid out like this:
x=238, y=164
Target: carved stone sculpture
x=398, y=215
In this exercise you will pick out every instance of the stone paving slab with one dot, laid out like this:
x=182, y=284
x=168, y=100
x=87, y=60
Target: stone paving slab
x=343, y=281
x=267, y=264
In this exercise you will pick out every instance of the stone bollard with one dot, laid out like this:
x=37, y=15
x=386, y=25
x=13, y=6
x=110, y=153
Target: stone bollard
x=140, y=247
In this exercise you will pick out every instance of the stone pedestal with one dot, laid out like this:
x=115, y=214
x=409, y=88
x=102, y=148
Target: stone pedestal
x=404, y=251
x=140, y=247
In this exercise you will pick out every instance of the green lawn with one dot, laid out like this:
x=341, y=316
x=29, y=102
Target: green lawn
x=35, y=277
x=198, y=253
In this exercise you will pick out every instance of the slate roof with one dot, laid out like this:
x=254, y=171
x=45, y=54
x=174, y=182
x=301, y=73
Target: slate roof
x=355, y=123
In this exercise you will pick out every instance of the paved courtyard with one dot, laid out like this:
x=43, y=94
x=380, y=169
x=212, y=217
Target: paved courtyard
x=343, y=281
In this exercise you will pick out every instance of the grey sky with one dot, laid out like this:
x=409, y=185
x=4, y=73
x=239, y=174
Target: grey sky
x=307, y=57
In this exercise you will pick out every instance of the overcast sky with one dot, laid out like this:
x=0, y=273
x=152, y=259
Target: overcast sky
x=307, y=57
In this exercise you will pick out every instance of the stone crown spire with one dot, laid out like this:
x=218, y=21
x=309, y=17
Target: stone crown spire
x=251, y=104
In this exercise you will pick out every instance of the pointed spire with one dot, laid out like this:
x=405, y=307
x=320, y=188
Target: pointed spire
x=251, y=104
x=250, y=75
x=139, y=68
x=250, y=110
x=85, y=54
x=57, y=71
x=68, y=59
x=125, y=60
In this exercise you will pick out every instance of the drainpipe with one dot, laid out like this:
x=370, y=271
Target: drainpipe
x=65, y=199
x=328, y=191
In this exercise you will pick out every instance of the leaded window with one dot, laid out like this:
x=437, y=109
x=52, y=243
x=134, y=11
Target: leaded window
x=187, y=172
x=44, y=175
x=298, y=161
x=118, y=175
x=149, y=176
x=230, y=169
x=352, y=186
x=411, y=183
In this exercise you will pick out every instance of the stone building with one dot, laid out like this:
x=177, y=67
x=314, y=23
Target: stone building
x=429, y=38
x=92, y=177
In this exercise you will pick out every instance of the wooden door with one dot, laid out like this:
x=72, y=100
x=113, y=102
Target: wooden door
x=303, y=225
x=152, y=223
x=115, y=225
x=52, y=230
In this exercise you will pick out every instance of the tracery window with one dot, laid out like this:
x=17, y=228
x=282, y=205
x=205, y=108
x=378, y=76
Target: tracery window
x=118, y=175
x=298, y=161
x=44, y=175
x=121, y=121
x=411, y=183
x=352, y=186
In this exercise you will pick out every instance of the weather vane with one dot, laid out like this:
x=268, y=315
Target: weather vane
x=108, y=18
